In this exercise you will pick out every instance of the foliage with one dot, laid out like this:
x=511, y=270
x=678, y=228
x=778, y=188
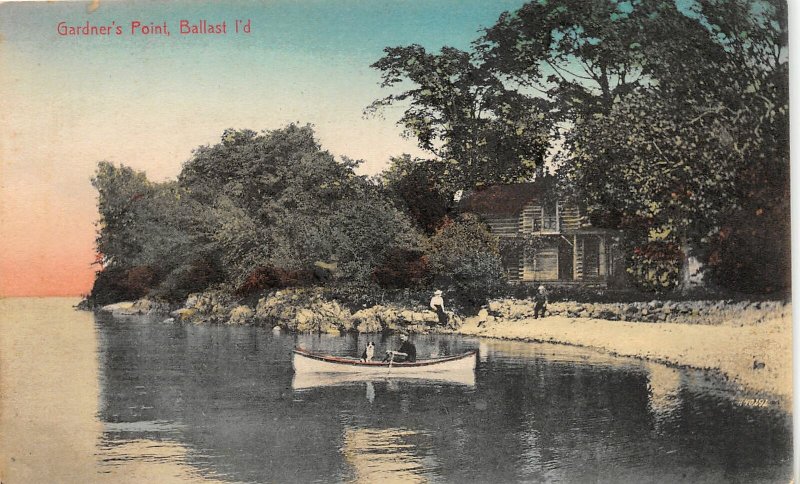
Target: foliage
x=464, y=259
x=413, y=182
x=265, y=278
x=673, y=116
x=402, y=268
x=280, y=201
x=656, y=266
x=142, y=225
x=479, y=131
x=252, y=212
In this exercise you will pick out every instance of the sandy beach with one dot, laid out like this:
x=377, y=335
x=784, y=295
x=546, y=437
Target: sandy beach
x=756, y=357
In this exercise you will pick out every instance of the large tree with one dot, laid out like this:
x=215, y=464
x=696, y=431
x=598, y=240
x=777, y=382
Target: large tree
x=477, y=130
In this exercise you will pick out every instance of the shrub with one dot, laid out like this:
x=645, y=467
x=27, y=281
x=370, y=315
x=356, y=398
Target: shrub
x=402, y=268
x=268, y=277
x=465, y=260
x=656, y=266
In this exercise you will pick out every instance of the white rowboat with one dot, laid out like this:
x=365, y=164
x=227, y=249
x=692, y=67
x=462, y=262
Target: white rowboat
x=307, y=362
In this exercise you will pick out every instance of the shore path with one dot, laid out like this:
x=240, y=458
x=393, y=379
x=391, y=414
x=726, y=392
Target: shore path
x=758, y=357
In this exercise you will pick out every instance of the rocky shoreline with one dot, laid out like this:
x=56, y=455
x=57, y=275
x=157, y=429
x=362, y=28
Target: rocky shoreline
x=746, y=342
x=307, y=310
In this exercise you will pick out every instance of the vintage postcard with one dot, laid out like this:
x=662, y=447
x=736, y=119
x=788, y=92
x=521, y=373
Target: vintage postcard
x=395, y=241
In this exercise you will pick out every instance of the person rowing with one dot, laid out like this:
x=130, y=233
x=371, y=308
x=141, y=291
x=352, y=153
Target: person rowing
x=406, y=353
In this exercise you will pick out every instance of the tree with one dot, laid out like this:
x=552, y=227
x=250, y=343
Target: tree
x=479, y=131
x=278, y=200
x=413, y=183
x=143, y=232
x=464, y=257
x=579, y=55
x=673, y=115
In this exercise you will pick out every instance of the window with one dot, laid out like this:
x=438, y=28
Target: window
x=550, y=217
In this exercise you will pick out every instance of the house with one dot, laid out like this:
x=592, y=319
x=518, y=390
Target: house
x=542, y=238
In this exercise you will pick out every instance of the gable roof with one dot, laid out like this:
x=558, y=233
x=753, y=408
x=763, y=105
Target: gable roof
x=506, y=199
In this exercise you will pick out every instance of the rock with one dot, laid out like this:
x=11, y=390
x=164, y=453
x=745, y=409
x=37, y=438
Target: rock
x=240, y=315
x=118, y=307
x=191, y=300
x=149, y=306
x=606, y=314
x=184, y=314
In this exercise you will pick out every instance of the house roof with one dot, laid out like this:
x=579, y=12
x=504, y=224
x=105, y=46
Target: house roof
x=502, y=199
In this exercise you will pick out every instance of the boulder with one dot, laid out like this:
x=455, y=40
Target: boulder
x=183, y=314
x=240, y=315
x=124, y=307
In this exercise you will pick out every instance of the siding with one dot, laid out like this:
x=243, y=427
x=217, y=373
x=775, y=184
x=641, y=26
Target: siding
x=570, y=218
x=503, y=226
x=542, y=267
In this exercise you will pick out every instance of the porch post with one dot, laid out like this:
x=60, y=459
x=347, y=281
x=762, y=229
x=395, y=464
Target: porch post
x=603, y=256
x=574, y=257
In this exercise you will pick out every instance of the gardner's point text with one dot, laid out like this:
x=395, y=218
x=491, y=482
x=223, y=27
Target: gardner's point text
x=145, y=28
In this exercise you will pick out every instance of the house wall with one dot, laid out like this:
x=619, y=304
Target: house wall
x=543, y=266
x=590, y=252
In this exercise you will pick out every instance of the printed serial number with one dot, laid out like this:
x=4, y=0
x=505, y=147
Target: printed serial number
x=755, y=402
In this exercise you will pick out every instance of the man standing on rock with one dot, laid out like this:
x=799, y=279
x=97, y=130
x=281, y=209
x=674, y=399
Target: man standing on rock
x=437, y=304
x=540, y=302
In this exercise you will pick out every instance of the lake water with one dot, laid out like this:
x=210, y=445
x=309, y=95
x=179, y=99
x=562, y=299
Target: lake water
x=96, y=399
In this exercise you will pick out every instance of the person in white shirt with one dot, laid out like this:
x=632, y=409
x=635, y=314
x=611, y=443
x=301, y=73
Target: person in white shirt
x=437, y=304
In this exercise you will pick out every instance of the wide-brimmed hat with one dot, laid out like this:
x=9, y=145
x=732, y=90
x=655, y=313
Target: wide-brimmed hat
x=437, y=292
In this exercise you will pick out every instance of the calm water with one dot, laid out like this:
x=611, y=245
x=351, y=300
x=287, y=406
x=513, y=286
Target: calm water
x=96, y=399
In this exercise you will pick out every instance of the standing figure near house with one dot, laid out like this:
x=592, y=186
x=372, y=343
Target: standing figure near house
x=437, y=304
x=540, y=302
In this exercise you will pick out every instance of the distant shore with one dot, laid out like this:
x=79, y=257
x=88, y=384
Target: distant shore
x=755, y=356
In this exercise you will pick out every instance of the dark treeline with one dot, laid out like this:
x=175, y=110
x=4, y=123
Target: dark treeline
x=667, y=120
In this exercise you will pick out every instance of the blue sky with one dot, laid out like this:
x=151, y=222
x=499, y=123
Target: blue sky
x=68, y=102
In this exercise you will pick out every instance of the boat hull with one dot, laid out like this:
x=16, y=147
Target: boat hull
x=305, y=362
x=312, y=370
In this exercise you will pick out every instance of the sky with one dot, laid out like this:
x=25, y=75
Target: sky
x=146, y=101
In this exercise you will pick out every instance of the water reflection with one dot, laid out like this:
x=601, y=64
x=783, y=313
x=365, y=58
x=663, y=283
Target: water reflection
x=383, y=455
x=664, y=389
x=305, y=381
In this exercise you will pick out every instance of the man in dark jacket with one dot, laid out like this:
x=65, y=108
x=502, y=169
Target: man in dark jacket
x=540, y=302
x=407, y=351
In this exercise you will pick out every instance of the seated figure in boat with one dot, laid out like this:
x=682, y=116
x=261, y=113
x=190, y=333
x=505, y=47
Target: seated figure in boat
x=406, y=353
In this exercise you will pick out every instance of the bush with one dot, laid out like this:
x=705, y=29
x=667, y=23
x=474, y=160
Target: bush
x=268, y=277
x=114, y=284
x=184, y=280
x=402, y=268
x=656, y=266
x=465, y=261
